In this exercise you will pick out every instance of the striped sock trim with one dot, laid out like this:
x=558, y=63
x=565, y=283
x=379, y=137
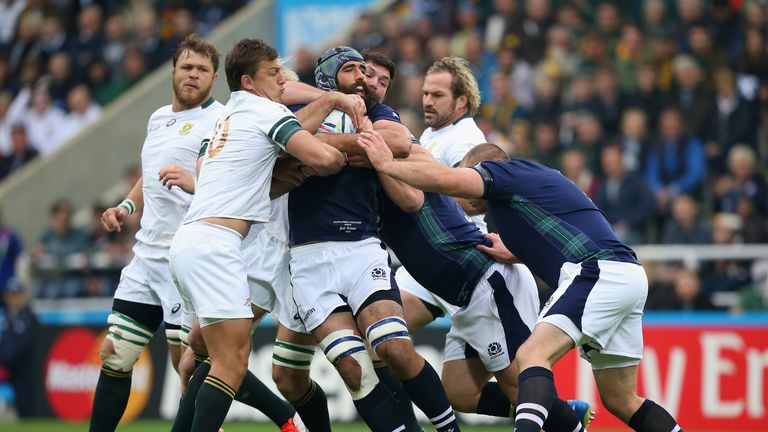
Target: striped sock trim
x=578, y=428
x=532, y=412
x=307, y=396
x=531, y=417
x=221, y=385
x=399, y=429
x=378, y=364
x=532, y=406
x=115, y=374
x=200, y=358
x=443, y=419
x=677, y=428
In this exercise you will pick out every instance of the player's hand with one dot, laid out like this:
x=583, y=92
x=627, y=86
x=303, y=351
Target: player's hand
x=497, y=250
x=376, y=149
x=173, y=175
x=354, y=105
x=359, y=161
x=113, y=218
x=288, y=169
x=365, y=125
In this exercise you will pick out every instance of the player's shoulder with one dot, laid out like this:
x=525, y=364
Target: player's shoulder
x=380, y=111
x=161, y=112
x=261, y=106
x=467, y=125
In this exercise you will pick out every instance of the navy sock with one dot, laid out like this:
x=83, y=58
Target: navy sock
x=562, y=418
x=212, y=404
x=110, y=399
x=379, y=411
x=651, y=417
x=313, y=409
x=537, y=391
x=427, y=392
x=186, y=413
x=493, y=401
x=395, y=386
x=254, y=393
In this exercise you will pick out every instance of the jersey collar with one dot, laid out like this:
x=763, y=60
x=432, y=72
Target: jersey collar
x=208, y=103
x=466, y=115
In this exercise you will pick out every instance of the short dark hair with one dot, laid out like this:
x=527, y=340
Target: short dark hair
x=198, y=45
x=244, y=59
x=484, y=152
x=60, y=205
x=383, y=61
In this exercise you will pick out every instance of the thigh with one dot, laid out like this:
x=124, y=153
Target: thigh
x=161, y=283
x=408, y=285
x=134, y=285
x=315, y=284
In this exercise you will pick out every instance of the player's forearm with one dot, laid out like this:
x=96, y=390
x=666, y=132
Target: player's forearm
x=279, y=188
x=312, y=115
x=299, y=93
x=396, y=135
x=137, y=194
x=426, y=176
x=346, y=143
x=408, y=198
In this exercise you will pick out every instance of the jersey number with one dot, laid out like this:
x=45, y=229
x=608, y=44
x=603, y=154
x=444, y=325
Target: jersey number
x=220, y=135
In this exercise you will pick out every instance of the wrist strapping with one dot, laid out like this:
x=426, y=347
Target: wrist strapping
x=128, y=205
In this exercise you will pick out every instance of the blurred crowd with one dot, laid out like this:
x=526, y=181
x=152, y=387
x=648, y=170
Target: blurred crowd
x=61, y=61
x=657, y=109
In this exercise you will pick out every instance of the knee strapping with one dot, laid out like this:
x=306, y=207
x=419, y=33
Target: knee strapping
x=173, y=336
x=292, y=356
x=386, y=329
x=344, y=343
x=184, y=336
x=128, y=339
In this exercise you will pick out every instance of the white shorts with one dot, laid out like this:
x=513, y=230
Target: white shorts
x=208, y=267
x=329, y=275
x=147, y=279
x=406, y=282
x=269, y=279
x=599, y=304
x=498, y=319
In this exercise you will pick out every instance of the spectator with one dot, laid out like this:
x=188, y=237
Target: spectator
x=708, y=56
x=590, y=139
x=546, y=148
x=648, y=97
x=686, y=226
x=630, y=56
x=88, y=41
x=115, y=40
x=5, y=122
x=734, y=121
x=18, y=348
x=134, y=67
x=676, y=162
x=611, y=99
x=21, y=152
x=689, y=294
x=60, y=80
x=59, y=258
x=634, y=139
x=625, y=198
x=9, y=14
x=743, y=191
x=520, y=75
x=502, y=108
x=43, y=121
x=692, y=96
x=53, y=38
x=532, y=29
x=10, y=249
x=726, y=275
x=83, y=111
x=25, y=46
x=574, y=166
x=547, y=101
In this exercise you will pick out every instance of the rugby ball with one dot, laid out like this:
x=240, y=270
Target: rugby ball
x=337, y=122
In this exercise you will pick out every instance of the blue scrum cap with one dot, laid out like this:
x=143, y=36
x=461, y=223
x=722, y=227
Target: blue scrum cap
x=329, y=64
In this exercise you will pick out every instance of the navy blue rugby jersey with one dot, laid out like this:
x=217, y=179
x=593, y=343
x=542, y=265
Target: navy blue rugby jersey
x=545, y=219
x=340, y=207
x=436, y=245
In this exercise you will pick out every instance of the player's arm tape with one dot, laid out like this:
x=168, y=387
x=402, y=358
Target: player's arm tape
x=128, y=205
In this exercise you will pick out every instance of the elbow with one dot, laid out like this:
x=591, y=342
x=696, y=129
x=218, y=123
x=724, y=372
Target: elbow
x=327, y=164
x=401, y=148
x=410, y=206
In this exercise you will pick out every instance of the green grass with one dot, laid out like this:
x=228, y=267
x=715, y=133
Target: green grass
x=164, y=426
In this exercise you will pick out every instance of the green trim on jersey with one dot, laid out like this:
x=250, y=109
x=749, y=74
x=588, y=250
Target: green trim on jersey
x=284, y=129
x=203, y=147
x=574, y=245
x=445, y=242
x=208, y=103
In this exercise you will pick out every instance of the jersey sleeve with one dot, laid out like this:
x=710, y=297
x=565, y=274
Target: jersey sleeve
x=383, y=112
x=279, y=124
x=498, y=183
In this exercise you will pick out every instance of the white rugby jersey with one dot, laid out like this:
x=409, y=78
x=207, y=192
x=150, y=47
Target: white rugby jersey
x=172, y=138
x=236, y=174
x=451, y=143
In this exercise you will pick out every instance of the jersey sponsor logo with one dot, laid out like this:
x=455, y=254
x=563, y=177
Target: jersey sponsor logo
x=378, y=273
x=186, y=128
x=176, y=308
x=72, y=370
x=495, y=349
x=170, y=123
